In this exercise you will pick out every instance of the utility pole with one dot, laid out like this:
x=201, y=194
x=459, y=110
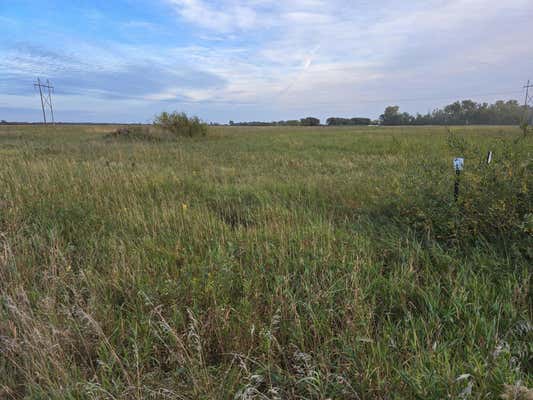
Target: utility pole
x=50, y=88
x=46, y=98
x=527, y=99
x=38, y=84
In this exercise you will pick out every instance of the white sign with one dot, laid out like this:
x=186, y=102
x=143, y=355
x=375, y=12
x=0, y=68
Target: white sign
x=459, y=163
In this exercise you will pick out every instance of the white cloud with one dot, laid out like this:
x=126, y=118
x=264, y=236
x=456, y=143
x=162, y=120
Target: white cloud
x=333, y=50
x=312, y=56
x=229, y=17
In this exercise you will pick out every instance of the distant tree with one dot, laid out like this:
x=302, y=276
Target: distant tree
x=452, y=113
x=360, y=121
x=391, y=116
x=310, y=121
x=292, y=122
x=334, y=121
x=3, y=121
x=232, y=123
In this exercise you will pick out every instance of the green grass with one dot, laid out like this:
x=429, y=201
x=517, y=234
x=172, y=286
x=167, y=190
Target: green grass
x=257, y=263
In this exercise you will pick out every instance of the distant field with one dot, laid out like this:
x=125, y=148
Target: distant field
x=265, y=263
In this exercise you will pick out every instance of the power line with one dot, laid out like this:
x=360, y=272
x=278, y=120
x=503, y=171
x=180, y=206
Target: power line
x=420, y=98
x=355, y=102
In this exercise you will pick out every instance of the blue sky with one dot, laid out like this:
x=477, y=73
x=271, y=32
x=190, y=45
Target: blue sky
x=126, y=60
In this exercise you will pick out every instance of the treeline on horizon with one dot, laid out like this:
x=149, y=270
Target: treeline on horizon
x=309, y=121
x=465, y=112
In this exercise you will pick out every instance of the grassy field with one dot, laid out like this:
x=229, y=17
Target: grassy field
x=264, y=263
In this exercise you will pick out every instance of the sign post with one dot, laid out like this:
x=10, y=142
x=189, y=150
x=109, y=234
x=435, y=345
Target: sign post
x=489, y=157
x=458, y=164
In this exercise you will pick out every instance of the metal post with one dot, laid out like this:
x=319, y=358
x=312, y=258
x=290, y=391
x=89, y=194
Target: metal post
x=456, y=187
x=458, y=164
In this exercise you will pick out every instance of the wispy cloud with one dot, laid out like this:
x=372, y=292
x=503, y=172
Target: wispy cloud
x=358, y=45
x=226, y=17
x=103, y=76
x=276, y=58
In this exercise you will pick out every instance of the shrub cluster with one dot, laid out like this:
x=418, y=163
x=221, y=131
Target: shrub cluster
x=180, y=124
x=494, y=203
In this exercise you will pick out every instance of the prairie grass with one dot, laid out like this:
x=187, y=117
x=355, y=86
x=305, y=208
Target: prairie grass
x=262, y=263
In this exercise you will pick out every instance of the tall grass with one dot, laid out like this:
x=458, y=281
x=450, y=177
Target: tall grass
x=262, y=263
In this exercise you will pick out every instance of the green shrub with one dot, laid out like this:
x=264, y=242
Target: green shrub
x=180, y=124
x=494, y=202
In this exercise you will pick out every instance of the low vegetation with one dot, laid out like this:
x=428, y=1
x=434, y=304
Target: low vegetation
x=265, y=263
x=179, y=124
x=166, y=127
x=135, y=133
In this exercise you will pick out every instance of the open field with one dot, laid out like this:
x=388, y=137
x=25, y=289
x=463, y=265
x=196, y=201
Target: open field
x=264, y=263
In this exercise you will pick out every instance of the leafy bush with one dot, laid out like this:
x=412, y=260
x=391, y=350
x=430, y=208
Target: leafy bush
x=180, y=124
x=494, y=203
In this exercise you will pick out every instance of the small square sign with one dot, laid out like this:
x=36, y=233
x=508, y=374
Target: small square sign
x=458, y=163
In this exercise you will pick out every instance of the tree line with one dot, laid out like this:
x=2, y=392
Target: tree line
x=309, y=121
x=334, y=121
x=466, y=112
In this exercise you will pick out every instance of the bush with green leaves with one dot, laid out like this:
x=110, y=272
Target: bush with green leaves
x=180, y=124
x=494, y=205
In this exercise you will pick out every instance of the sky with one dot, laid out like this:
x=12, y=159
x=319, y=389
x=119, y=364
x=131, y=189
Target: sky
x=264, y=60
